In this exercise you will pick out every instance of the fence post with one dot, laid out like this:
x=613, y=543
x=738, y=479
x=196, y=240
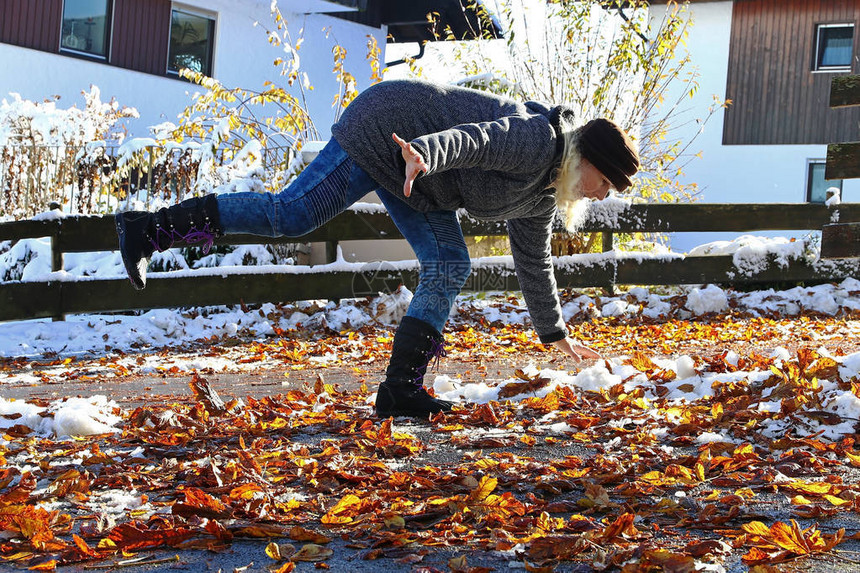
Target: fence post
x=608, y=240
x=331, y=251
x=57, y=258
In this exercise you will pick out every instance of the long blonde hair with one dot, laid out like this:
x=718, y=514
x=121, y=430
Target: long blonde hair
x=572, y=205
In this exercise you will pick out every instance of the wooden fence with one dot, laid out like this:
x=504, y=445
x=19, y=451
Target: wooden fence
x=251, y=285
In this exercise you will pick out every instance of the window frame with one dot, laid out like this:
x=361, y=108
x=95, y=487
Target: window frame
x=816, y=62
x=810, y=163
x=108, y=33
x=200, y=13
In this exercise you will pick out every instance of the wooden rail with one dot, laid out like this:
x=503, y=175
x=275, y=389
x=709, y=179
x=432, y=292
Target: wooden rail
x=56, y=298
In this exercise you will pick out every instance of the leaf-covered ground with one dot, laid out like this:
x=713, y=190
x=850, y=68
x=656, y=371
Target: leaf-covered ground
x=551, y=475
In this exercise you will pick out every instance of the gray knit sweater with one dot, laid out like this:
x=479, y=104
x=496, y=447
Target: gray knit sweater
x=490, y=155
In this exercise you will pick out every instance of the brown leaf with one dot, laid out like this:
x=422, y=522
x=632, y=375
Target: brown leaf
x=207, y=395
x=556, y=547
x=706, y=547
x=298, y=533
x=312, y=552
x=134, y=536
x=669, y=562
x=529, y=386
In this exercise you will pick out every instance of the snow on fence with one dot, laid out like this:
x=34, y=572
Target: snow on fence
x=59, y=293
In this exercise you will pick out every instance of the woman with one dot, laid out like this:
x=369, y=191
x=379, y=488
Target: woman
x=427, y=150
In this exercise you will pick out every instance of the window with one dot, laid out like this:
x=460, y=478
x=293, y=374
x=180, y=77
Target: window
x=86, y=27
x=817, y=185
x=192, y=36
x=834, y=47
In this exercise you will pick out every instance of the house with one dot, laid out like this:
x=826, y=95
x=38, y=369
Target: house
x=133, y=49
x=774, y=59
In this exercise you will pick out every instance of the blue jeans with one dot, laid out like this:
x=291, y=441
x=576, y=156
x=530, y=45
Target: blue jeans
x=330, y=184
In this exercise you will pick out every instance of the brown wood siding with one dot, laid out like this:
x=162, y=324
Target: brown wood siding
x=777, y=98
x=31, y=23
x=139, y=33
x=141, y=30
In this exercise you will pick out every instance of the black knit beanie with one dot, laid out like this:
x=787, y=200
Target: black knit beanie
x=604, y=144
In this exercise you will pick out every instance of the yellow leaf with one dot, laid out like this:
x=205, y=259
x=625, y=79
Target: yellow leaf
x=717, y=410
x=348, y=501
x=853, y=459
x=484, y=489
x=811, y=487
x=756, y=528
x=395, y=522
x=837, y=501
x=700, y=472
x=641, y=362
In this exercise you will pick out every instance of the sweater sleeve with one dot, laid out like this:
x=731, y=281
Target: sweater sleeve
x=530, y=244
x=514, y=144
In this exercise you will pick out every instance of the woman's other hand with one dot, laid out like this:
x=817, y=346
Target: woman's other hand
x=576, y=351
x=414, y=164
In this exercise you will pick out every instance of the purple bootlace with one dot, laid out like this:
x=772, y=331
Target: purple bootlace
x=434, y=355
x=193, y=236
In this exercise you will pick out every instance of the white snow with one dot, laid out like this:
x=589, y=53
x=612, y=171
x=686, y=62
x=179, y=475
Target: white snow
x=66, y=417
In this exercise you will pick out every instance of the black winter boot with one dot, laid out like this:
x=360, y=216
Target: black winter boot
x=142, y=233
x=402, y=393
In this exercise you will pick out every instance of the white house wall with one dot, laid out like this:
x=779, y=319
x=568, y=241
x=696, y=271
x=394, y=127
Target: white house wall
x=736, y=173
x=242, y=57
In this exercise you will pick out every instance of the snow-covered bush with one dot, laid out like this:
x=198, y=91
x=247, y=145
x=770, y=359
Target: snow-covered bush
x=39, y=150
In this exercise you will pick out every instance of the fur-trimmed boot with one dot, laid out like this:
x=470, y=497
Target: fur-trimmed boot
x=416, y=344
x=141, y=233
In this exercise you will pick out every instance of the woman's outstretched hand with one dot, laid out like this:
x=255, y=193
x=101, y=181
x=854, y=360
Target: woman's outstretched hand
x=414, y=164
x=575, y=351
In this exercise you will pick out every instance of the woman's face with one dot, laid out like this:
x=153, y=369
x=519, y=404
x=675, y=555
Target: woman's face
x=592, y=182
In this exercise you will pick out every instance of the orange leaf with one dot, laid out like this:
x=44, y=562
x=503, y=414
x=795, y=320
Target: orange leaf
x=641, y=362
x=82, y=546
x=247, y=491
x=757, y=556
x=788, y=537
x=50, y=565
x=621, y=527
x=287, y=567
